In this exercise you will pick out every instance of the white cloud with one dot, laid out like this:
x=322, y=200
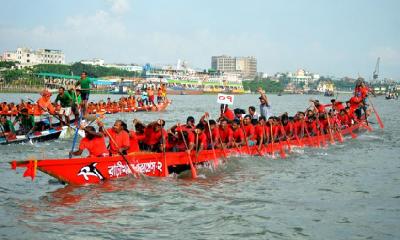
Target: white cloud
x=119, y=7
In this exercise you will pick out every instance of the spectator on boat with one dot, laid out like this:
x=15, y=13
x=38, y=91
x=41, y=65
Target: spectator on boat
x=239, y=113
x=85, y=84
x=7, y=127
x=159, y=95
x=164, y=92
x=93, y=142
x=145, y=100
x=118, y=135
x=253, y=114
x=66, y=103
x=265, y=107
x=26, y=122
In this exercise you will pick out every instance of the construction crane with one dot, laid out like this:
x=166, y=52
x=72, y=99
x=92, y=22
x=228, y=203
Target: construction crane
x=376, y=72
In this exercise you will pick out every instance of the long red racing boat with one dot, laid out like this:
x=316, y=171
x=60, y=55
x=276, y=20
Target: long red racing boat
x=147, y=108
x=81, y=171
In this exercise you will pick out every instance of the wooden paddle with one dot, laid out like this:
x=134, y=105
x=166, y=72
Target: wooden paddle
x=192, y=168
x=165, y=166
x=377, y=115
x=135, y=173
x=245, y=136
x=212, y=143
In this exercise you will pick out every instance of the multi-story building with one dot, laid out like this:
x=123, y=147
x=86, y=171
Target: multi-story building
x=94, y=62
x=246, y=67
x=29, y=57
x=302, y=77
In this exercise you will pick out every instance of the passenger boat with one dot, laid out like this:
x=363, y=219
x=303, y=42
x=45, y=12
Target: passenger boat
x=81, y=171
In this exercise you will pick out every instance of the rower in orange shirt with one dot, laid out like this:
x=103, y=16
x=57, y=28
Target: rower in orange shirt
x=44, y=108
x=44, y=103
x=93, y=142
x=118, y=135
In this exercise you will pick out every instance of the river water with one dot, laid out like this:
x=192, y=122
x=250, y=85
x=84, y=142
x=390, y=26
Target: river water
x=346, y=191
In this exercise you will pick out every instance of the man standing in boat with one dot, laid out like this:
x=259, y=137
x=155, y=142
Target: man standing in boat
x=85, y=84
x=265, y=107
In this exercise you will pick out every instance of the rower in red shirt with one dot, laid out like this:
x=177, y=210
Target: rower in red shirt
x=185, y=139
x=336, y=105
x=237, y=134
x=311, y=126
x=201, y=138
x=153, y=134
x=190, y=123
x=225, y=134
x=352, y=117
x=227, y=113
x=213, y=129
x=119, y=137
x=249, y=130
x=343, y=118
x=93, y=142
x=259, y=131
x=320, y=107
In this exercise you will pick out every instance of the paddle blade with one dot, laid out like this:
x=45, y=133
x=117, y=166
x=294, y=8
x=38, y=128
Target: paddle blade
x=31, y=169
x=282, y=153
x=14, y=165
x=353, y=135
x=377, y=116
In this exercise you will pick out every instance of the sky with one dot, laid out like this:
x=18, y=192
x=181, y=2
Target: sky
x=334, y=38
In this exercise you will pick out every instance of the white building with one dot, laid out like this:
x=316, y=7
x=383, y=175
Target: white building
x=129, y=68
x=245, y=66
x=29, y=57
x=301, y=76
x=94, y=62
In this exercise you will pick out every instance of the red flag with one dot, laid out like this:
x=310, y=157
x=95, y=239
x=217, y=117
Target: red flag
x=31, y=169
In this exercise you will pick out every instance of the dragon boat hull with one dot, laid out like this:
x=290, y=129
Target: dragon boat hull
x=81, y=171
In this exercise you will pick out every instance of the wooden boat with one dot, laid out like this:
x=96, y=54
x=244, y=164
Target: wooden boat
x=95, y=170
x=37, y=136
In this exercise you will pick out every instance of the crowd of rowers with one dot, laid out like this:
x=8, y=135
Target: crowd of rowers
x=30, y=114
x=233, y=129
